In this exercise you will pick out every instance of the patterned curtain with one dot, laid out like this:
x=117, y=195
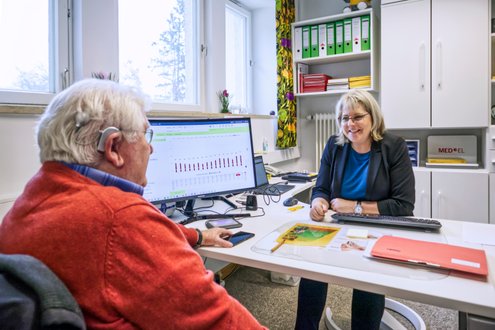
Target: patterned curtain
x=285, y=14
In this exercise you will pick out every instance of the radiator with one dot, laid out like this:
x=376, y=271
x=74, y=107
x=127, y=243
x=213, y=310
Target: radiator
x=325, y=126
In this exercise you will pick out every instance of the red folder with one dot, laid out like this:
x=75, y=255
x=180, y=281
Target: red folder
x=439, y=255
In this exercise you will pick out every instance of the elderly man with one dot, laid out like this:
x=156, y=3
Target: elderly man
x=82, y=214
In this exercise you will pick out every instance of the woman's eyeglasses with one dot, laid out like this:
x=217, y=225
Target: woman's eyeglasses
x=355, y=119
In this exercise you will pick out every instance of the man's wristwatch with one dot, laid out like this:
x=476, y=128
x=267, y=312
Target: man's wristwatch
x=358, y=208
x=200, y=238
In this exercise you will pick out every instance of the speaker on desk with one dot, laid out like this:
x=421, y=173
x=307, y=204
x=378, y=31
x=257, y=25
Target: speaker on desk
x=251, y=203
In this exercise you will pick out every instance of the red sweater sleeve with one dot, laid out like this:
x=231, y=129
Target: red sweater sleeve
x=190, y=233
x=154, y=277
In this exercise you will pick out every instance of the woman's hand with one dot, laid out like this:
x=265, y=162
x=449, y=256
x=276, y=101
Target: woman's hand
x=319, y=206
x=342, y=205
x=216, y=237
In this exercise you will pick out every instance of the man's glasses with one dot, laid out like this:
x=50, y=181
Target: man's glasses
x=148, y=135
x=355, y=119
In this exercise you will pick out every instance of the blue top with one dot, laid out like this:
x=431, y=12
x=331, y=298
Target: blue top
x=390, y=180
x=355, y=175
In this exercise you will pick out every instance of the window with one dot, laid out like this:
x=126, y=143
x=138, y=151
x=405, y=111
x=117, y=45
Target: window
x=237, y=55
x=159, y=50
x=35, y=52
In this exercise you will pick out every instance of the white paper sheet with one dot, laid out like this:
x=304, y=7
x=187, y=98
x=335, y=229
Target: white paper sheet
x=478, y=233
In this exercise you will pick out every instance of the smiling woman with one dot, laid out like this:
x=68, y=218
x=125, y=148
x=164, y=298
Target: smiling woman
x=364, y=169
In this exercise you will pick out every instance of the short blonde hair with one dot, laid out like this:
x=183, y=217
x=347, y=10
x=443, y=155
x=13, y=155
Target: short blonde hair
x=70, y=126
x=359, y=97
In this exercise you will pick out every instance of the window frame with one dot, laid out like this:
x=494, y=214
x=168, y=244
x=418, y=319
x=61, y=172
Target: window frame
x=247, y=13
x=199, y=66
x=60, y=58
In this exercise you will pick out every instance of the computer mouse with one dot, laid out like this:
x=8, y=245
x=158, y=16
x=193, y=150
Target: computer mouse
x=291, y=201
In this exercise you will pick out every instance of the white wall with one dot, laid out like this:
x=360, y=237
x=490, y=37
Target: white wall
x=19, y=156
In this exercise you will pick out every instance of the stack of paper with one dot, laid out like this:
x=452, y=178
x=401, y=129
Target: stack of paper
x=314, y=82
x=338, y=84
x=302, y=69
x=360, y=82
x=447, y=160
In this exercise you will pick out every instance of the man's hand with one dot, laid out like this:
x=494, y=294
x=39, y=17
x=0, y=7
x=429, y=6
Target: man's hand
x=215, y=237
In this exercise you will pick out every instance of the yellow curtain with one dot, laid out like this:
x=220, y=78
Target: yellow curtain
x=285, y=14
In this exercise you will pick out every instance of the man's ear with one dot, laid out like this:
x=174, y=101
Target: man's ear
x=112, y=149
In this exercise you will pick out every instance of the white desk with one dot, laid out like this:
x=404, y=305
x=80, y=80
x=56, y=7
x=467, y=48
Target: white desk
x=455, y=292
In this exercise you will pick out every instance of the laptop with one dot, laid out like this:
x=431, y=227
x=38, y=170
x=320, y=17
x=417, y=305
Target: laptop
x=262, y=185
x=431, y=254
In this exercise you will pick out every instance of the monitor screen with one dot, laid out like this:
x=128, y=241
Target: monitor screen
x=259, y=168
x=199, y=158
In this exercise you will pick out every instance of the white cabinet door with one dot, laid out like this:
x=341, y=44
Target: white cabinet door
x=457, y=94
x=460, y=196
x=405, y=64
x=422, y=206
x=460, y=63
x=492, y=199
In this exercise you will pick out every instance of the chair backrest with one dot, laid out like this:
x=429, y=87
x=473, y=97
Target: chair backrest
x=33, y=297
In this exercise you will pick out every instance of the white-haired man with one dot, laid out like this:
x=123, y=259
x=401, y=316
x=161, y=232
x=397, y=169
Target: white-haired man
x=82, y=214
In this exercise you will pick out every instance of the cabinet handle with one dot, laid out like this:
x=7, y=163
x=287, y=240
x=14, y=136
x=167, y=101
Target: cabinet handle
x=439, y=197
x=424, y=198
x=439, y=64
x=422, y=65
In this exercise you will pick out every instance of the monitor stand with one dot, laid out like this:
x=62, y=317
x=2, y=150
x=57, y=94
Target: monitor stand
x=223, y=199
x=189, y=207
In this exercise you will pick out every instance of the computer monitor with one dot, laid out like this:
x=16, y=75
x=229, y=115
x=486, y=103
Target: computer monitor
x=199, y=158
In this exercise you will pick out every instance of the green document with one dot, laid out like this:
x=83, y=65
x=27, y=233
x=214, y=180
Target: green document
x=331, y=38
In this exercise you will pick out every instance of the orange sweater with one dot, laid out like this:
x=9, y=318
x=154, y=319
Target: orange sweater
x=127, y=265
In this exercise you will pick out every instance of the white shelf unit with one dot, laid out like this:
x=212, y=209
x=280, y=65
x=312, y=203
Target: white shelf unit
x=339, y=62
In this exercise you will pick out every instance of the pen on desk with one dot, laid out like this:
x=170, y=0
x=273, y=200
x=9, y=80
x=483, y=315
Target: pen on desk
x=275, y=248
x=295, y=208
x=288, y=236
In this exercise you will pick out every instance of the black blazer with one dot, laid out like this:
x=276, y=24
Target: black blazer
x=390, y=179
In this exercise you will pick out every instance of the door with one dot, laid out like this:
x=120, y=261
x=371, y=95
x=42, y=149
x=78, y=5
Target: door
x=460, y=63
x=492, y=200
x=459, y=195
x=422, y=205
x=405, y=63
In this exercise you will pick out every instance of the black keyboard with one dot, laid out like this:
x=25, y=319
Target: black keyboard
x=212, y=216
x=388, y=220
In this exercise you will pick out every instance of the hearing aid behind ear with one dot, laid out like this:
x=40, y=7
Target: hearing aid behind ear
x=104, y=135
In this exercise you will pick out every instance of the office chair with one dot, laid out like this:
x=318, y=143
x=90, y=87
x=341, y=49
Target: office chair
x=388, y=321
x=33, y=297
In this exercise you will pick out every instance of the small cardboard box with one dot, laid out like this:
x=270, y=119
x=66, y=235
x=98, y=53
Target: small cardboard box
x=454, y=150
